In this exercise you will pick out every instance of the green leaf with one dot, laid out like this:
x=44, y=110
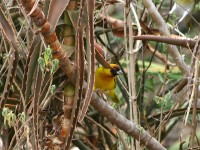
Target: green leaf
x=52, y=89
x=47, y=55
x=41, y=62
x=168, y=96
x=161, y=78
x=54, y=66
x=168, y=101
x=158, y=100
x=150, y=85
x=9, y=117
x=22, y=117
x=5, y=111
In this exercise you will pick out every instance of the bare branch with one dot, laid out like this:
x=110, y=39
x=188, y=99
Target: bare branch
x=124, y=124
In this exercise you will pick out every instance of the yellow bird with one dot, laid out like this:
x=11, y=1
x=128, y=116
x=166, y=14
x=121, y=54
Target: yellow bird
x=105, y=80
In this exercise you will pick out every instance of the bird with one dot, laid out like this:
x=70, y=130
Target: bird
x=182, y=8
x=105, y=80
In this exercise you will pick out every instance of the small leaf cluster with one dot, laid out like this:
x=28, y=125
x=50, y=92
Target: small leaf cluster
x=10, y=117
x=47, y=62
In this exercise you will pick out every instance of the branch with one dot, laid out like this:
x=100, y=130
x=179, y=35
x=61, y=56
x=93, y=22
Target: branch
x=173, y=51
x=124, y=124
x=185, y=42
x=49, y=35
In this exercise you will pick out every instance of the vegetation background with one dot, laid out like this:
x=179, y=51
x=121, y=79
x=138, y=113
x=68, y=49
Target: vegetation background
x=48, y=54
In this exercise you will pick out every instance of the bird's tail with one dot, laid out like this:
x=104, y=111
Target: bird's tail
x=113, y=96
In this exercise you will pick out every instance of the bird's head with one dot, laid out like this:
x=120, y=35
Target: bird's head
x=116, y=70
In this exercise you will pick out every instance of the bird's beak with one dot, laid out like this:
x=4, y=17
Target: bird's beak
x=119, y=72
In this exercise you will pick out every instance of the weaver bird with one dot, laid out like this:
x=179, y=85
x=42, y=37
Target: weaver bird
x=182, y=8
x=105, y=80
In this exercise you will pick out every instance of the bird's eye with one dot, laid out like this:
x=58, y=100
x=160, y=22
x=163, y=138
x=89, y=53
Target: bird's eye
x=115, y=71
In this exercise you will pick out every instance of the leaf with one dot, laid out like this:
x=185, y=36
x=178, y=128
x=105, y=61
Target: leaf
x=47, y=55
x=149, y=84
x=56, y=9
x=52, y=90
x=79, y=75
x=14, y=58
x=8, y=30
x=73, y=14
x=31, y=69
x=34, y=44
x=100, y=57
x=41, y=62
x=55, y=65
x=90, y=58
x=161, y=78
x=36, y=96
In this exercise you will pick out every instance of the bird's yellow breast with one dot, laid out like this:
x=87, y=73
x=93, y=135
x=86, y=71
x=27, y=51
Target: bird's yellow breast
x=104, y=80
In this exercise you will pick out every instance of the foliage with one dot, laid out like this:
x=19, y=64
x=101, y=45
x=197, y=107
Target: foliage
x=48, y=56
